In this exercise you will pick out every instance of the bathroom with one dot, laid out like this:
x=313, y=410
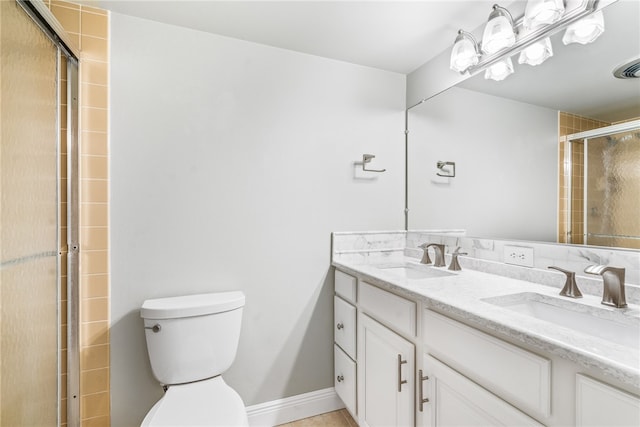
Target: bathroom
x=211, y=163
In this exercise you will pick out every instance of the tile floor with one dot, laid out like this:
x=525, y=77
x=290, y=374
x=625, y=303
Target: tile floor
x=340, y=418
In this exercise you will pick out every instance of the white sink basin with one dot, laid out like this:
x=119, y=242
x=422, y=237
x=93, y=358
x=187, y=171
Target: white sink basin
x=414, y=271
x=607, y=324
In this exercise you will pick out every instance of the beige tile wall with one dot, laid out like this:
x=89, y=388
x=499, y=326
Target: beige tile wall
x=89, y=29
x=574, y=221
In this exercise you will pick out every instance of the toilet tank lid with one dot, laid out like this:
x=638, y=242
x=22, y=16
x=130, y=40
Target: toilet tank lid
x=191, y=305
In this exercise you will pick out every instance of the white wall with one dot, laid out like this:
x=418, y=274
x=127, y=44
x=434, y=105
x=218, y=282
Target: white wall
x=231, y=163
x=506, y=159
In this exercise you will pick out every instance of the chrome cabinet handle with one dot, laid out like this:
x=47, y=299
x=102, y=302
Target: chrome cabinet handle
x=340, y=378
x=420, y=395
x=400, y=380
x=155, y=328
x=340, y=326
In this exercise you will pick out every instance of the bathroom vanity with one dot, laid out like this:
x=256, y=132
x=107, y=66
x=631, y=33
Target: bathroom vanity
x=418, y=345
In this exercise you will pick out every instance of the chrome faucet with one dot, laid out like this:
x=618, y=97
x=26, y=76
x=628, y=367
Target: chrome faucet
x=613, y=284
x=455, y=265
x=439, y=251
x=570, y=286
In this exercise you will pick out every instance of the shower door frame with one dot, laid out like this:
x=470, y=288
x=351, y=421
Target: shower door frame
x=49, y=24
x=584, y=137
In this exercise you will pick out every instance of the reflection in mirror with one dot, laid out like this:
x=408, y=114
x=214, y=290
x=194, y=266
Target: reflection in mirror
x=603, y=179
x=515, y=171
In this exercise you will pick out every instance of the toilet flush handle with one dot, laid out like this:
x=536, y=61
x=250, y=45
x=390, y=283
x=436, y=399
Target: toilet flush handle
x=155, y=328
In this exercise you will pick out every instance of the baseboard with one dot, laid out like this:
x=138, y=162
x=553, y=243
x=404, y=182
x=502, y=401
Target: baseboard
x=294, y=408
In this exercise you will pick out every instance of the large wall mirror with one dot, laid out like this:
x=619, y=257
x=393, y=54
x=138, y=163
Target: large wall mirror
x=517, y=173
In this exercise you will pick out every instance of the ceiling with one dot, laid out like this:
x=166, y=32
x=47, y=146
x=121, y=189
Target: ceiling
x=396, y=36
x=400, y=36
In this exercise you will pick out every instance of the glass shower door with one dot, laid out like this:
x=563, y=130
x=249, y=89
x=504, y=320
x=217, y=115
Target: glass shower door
x=28, y=222
x=612, y=190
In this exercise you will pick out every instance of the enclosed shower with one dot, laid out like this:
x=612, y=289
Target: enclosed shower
x=602, y=167
x=38, y=218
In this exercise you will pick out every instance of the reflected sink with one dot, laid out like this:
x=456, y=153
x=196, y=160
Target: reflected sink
x=414, y=272
x=612, y=326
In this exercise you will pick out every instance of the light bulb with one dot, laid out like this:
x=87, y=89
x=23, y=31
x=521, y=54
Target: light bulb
x=464, y=53
x=500, y=70
x=542, y=12
x=586, y=30
x=499, y=32
x=537, y=53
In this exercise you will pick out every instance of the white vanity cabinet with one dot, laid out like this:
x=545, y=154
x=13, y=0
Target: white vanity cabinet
x=400, y=363
x=344, y=349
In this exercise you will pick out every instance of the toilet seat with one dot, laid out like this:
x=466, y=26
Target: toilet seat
x=203, y=403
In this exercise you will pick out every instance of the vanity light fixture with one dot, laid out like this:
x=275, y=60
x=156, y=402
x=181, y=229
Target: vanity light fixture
x=536, y=53
x=502, y=38
x=465, y=52
x=499, y=33
x=500, y=70
x=586, y=30
x=542, y=12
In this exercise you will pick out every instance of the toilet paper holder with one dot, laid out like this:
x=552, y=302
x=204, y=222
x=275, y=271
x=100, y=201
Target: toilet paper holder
x=366, y=158
x=447, y=174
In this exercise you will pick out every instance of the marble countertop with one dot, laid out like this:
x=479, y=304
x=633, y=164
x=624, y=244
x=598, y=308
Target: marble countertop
x=466, y=295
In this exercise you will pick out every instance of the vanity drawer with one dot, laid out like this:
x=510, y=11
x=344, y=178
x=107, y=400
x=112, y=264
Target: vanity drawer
x=395, y=311
x=345, y=379
x=510, y=372
x=344, y=325
x=345, y=286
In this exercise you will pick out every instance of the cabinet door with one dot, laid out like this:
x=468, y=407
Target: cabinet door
x=344, y=328
x=345, y=379
x=599, y=404
x=454, y=400
x=386, y=366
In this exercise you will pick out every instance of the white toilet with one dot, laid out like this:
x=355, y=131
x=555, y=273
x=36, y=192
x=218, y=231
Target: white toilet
x=191, y=341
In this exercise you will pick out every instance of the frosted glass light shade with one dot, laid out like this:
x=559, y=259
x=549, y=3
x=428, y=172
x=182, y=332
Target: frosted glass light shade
x=586, y=30
x=537, y=53
x=500, y=70
x=463, y=55
x=498, y=33
x=542, y=12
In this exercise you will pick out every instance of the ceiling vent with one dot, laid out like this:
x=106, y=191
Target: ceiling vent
x=629, y=70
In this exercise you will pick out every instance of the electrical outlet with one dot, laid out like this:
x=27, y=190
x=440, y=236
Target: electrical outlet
x=518, y=255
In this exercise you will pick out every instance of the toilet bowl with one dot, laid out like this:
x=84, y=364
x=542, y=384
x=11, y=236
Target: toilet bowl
x=204, y=403
x=191, y=341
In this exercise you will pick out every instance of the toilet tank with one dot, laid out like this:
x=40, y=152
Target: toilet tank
x=193, y=337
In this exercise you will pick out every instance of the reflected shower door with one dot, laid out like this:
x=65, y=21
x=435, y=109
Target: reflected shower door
x=28, y=222
x=612, y=193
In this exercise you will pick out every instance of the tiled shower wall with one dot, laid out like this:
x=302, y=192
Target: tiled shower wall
x=89, y=30
x=570, y=124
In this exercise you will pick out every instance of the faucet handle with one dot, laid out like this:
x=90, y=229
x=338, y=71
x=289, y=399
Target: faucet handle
x=570, y=288
x=457, y=252
x=455, y=265
x=425, y=254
